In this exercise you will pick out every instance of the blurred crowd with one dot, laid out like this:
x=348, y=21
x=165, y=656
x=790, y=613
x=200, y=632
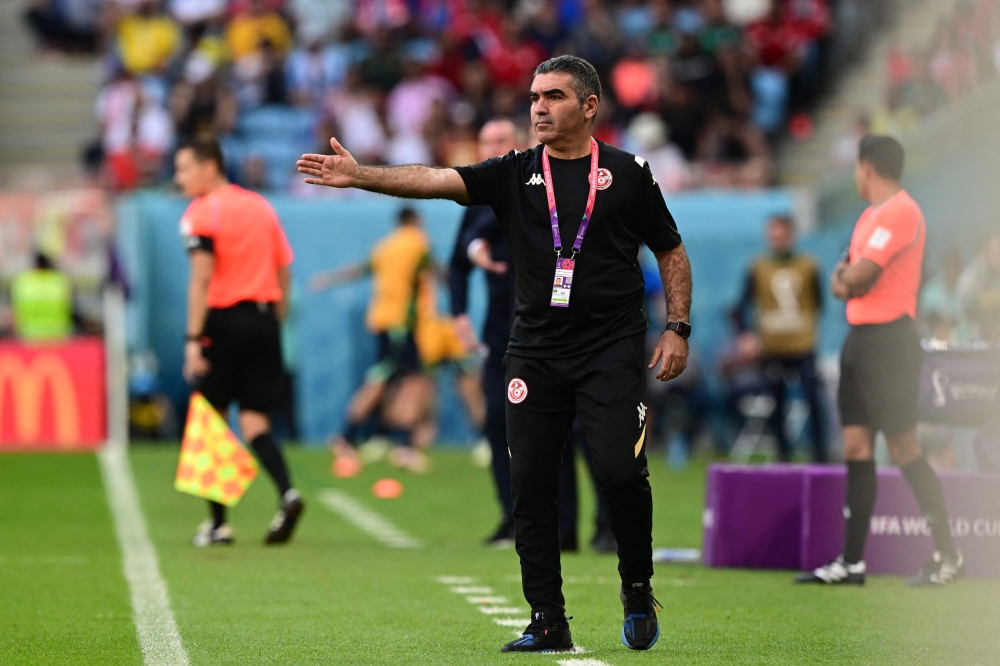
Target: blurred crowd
x=960, y=303
x=699, y=87
x=963, y=54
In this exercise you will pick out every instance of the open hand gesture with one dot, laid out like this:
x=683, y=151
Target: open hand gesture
x=338, y=170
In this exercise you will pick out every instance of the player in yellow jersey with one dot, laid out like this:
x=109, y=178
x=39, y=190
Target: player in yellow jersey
x=397, y=265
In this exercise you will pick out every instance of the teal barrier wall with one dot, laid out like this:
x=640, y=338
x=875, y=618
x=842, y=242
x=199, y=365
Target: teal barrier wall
x=722, y=232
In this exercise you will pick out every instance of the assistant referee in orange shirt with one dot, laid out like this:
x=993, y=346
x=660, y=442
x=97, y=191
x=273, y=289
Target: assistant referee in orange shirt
x=237, y=296
x=880, y=365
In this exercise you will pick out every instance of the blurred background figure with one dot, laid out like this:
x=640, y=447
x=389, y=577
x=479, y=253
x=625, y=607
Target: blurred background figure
x=781, y=304
x=42, y=303
x=979, y=292
x=481, y=243
x=940, y=313
x=398, y=265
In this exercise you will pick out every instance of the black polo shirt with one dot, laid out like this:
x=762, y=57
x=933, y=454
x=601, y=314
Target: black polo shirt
x=606, y=303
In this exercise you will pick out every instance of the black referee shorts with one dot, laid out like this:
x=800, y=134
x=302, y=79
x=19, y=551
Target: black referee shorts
x=880, y=376
x=243, y=345
x=606, y=391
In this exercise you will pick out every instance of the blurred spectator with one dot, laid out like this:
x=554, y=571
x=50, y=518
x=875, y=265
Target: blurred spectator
x=201, y=104
x=940, y=312
x=647, y=136
x=42, y=303
x=148, y=39
x=315, y=68
x=353, y=109
x=251, y=29
x=136, y=132
x=734, y=153
x=633, y=80
x=845, y=150
x=597, y=38
x=318, y=20
x=979, y=292
x=194, y=12
x=65, y=24
x=383, y=66
x=372, y=17
x=260, y=76
x=409, y=105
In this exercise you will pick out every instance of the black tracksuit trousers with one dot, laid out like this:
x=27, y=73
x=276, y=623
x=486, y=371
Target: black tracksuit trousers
x=605, y=390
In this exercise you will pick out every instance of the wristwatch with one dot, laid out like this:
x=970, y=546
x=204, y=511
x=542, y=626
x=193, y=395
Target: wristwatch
x=681, y=328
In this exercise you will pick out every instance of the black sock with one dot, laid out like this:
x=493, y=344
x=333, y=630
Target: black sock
x=270, y=456
x=927, y=488
x=218, y=513
x=862, y=489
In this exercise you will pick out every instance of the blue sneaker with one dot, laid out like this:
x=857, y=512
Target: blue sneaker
x=543, y=635
x=641, y=629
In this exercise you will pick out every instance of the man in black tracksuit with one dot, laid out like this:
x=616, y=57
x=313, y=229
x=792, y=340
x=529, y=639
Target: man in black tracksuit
x=577, y=346
x=481, y=243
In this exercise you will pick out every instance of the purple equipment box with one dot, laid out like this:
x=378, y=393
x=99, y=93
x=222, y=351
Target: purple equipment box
x=791, y=517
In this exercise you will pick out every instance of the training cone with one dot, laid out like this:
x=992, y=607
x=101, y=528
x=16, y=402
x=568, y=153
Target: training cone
x=345, y=467
x=387, y=489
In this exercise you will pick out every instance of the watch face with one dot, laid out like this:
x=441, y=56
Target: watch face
x=681, y=328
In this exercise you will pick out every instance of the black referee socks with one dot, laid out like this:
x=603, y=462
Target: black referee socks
x=272, y=460
x=927, y=488
x=862, y=489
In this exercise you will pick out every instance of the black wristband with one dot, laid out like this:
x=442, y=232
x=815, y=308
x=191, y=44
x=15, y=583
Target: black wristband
x=190, y=337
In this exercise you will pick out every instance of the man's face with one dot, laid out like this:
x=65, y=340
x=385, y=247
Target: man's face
x=779, y=236
x=555, y=109
x=498, y=137
x=193, y=177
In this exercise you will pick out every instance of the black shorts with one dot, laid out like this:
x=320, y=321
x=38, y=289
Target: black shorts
x=880, y=376
x=397, y=356
x=243, y=346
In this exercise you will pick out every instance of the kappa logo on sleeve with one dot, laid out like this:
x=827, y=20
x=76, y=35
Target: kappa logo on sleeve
x=536, y=179
x=879, y=238
x=517, y=391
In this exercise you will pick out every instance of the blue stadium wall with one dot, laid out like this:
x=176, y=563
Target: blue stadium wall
x=329, y=348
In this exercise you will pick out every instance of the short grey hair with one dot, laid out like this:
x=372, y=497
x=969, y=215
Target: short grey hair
x=585, y=78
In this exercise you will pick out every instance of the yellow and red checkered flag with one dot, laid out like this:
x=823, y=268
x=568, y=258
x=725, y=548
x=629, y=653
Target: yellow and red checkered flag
x=213, y=463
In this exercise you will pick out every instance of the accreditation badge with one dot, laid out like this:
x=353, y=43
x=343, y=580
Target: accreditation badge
x=563, y=282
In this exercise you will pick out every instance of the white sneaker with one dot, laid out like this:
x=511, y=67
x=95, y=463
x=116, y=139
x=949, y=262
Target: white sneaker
x=837, y=572
x=209, y=536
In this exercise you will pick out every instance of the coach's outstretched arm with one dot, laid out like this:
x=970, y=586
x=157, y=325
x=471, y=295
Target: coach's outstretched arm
x=411, y=181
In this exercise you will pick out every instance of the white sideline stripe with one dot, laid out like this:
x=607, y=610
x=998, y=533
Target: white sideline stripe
x=500, y=610
x=366, y=520
x=488, y=600
x=582, y=662
x=472, y=589
x=155, y=625
x=455, y=580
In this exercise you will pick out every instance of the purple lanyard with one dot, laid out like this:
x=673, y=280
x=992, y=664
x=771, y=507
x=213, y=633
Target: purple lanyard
x=551, y=195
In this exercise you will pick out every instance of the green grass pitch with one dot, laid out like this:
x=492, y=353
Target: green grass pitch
x=337, y=596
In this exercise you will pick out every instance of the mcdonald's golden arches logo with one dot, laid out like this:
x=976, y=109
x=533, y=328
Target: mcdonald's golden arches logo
x=26, y=381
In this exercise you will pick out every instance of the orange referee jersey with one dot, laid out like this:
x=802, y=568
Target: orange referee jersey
x=892, y=235
x=249, y=245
